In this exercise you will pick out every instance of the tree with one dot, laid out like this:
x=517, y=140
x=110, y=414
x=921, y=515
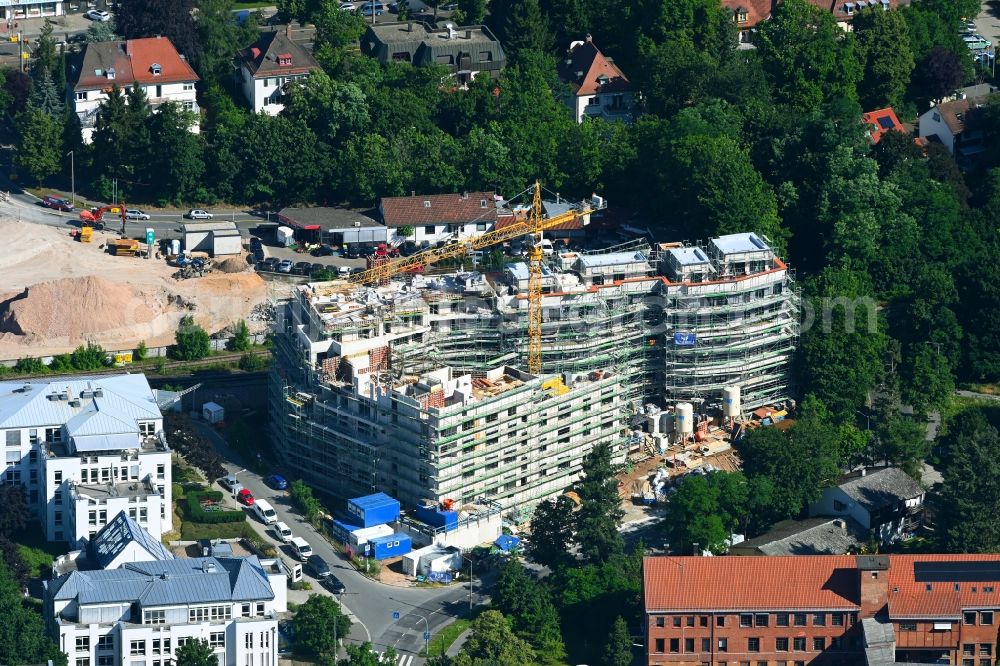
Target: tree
x=903, y=442
x=318, y=623
x=600, y=512
x=195, y=652
x=101, y=31
x=89, y=357
x=141, y=351
x=241, y=337
x=44, y=57
x=884, y=42
x=473, y=11
x=331, y=109
x=807, y=56
x=618, y=651
x=940, y=73
x=364, y=655
x=704, y=510
x=219, y=36
x=22, y=633
x=492, y=643
x=176, y=166
x=970, y=494
x=192, y=342
x=111, y=136
x=522, y=26
x=529, y=608
x=13, y=510
x=552, y=532
x=39, y=144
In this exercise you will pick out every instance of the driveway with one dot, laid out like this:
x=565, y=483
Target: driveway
x=370, y=604
x=988, y=22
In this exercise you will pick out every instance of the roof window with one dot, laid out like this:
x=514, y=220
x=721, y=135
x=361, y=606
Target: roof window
x=285, y=60
x=155, y=68
x=111, y=73
x=482, y=203
x=427, y=204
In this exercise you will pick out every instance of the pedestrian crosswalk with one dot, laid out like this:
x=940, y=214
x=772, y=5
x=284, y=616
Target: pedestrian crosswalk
x=401, y=659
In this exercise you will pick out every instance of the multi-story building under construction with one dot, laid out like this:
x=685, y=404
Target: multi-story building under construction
x=417, y=387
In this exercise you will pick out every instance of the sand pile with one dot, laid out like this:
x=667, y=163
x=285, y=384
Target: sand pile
x=232, y=265
x=76, y=308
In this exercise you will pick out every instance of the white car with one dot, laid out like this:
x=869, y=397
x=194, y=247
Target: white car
x=283, y=532
x=98, y=15
x=135, y=214
x=198, y=214
x=347, y=6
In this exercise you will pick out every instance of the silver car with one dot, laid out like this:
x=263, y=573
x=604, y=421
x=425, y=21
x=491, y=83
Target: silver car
x=135, y=214
x=285, y=266
x=198, y=214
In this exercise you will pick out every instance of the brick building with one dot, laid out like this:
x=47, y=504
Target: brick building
x=823, y=609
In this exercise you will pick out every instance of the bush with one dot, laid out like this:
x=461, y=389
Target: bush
x=29, y=366
x=177, y=491
x=195, y=531
x=89, y=357
x=196, y=513
x=304, y=501
x=193, y=342
x=61, y=363
x=241, y=338
x=141, y=351
x=260, y=546
x=252, y=363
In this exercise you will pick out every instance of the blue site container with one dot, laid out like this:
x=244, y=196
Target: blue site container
x=435, y=517
x=372, y=510
x=393, y=545
x=341, y=531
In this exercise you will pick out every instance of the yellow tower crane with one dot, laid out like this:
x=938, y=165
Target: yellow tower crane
x=534, y=224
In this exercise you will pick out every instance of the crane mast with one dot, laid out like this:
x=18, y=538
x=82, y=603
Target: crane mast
x=535, y=285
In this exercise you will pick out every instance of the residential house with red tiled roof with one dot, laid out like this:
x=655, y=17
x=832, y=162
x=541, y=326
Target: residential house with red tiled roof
x=821, y=609
x=597, y=86
x=844, y=11
x=952, y=124
x=269, y=66
x=151, y=63
x=880, y=121
x=439, y=217
x=748, y=14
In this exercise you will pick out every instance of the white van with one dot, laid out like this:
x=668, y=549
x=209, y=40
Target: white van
x=301, y=548
x=283, y=532
x=547, y=248
x=265, y=512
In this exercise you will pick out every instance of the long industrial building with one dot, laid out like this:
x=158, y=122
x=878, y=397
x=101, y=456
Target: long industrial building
x=417, y=387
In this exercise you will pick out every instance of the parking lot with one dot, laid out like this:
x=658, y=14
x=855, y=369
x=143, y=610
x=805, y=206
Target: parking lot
x=988, y=21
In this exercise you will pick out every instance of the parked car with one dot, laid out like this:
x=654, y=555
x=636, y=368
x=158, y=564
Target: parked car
x=58, y=203
x=323, y=250
x=255, y=244
x=198, y=214
x=344, y=271
x=318, y=566
x=301, y=268
x=97, y=15
x=333, y=584
x=372, y=9
x=270, y=264
x=285, y=266
x=276, y=481
x=135, y=214
x=282, y=532
x=408, y=248
x=245, y=497
x=353, y=251
x=231, y=483
x=367, y=251
x=265, y=512
x=258, y=255
x=449, y=6
x=301, y=548
x=347, y=6
x=316, y=269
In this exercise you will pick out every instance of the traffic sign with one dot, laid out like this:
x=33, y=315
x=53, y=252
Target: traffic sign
x=395, y=615
x=427, y=635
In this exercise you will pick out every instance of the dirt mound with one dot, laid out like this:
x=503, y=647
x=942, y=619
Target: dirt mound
x=233, y=265
x=76, y=308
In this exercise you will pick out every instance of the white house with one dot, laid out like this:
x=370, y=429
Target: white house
x=438, y=217
x=142, y=612
x=151, y=63
x=86, y=450
x=948, y=124
x=269, y=66
x=887, y=503
x=597, y=86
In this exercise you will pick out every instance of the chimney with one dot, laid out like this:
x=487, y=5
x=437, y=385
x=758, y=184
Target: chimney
x=288, y=30
x=864, y=471
x=840, y=523
x=589, y=38
x=873, y=574
x=468, y=34
x=409, y=26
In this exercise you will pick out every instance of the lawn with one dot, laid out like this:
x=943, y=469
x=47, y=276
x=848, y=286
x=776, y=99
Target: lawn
x=446, y=636
x=252, y=5
x=38, y=553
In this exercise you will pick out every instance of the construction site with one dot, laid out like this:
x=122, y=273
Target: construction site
x=62, y=290
x=468, y=385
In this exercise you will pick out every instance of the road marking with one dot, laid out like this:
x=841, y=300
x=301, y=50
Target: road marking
x=401, y=659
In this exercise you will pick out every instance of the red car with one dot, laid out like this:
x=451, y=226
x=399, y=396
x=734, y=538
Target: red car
x=58, y=203
x=245, y=497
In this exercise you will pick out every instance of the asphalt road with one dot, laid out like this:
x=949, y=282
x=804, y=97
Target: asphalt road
x=371, y=604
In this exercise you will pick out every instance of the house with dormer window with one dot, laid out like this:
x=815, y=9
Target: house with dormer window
x=596, y=86
x=269, y=67
x=151, y=63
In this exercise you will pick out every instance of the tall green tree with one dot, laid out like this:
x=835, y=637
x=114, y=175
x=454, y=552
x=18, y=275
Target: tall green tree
x=493, y=643
x=318, y=623
x=44, y=55
x=220, y=36
x=884, y=43
x=196, y=652
x=39, y=144
x=522, y=26
x=529, y=608
x=176, y=167
x=552, y=532
x=970, y=494
x=807, y=56
x=111, y=136
x=704, y=510
x=365, y=655
x=618, y=651
x=173, y=19
x=193, y=342
x=13, y=509
x=600, y=512
x=23, y=639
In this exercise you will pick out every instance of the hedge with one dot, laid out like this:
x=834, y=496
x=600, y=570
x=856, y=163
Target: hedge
x=198, y=531
x=197, y=514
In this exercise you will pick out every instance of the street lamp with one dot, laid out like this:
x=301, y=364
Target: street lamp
x=72, y=174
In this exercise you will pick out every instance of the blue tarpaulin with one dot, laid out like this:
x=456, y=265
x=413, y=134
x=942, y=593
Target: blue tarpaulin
x=507, y=543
